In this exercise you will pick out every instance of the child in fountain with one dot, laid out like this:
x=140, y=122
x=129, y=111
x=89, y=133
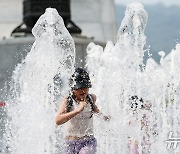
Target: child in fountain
x=77, y=111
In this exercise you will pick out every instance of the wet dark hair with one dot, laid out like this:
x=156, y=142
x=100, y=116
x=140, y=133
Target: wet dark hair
x=80, y=79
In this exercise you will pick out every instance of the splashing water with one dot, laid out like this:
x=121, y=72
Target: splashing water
x=32, y=105
x=121, y=76
x=118, y=76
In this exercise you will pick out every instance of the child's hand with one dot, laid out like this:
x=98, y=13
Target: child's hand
x=81, y=106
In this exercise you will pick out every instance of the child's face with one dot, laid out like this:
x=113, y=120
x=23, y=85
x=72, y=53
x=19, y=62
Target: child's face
x=81, y=94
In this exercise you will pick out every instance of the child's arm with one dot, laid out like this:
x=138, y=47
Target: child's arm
x=63, y=116
x=97, y=111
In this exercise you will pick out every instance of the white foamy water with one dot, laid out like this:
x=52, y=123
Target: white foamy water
x=32, y=104
x=118, y=74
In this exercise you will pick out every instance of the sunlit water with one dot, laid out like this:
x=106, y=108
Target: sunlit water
x=36, y=85
x=117, y=73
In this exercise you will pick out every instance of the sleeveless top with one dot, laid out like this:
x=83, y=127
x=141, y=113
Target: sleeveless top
x=81, y=124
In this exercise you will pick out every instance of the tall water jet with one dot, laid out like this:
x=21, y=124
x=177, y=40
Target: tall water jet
x=32, y=102
x=143, y=101
x=117, y=77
